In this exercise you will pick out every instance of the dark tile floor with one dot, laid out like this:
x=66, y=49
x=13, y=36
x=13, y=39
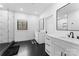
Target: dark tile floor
x=2, y=47
x=31, y=48
x=28, y=48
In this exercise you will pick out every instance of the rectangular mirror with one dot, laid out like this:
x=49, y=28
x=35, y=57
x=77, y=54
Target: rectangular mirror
x=67, y=17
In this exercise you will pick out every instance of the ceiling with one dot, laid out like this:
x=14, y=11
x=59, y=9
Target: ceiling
x=29, y=8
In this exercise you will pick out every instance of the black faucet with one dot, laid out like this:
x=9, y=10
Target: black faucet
x=72, y=34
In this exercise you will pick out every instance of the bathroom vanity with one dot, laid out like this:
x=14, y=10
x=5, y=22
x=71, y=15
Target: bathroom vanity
x=66, y=20
x=61, y=46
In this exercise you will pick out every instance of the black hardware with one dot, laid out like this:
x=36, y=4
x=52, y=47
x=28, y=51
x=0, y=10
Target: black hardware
x=77, y=37
x=72, y=34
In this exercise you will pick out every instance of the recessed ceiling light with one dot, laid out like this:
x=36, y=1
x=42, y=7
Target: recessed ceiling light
x=36, y=12
x=21, y=9
x=1, y=6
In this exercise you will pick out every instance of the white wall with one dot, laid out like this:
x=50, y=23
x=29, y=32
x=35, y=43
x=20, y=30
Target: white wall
x=52, y=21
x=23, y=35
x=3, y=26
x=6, y=26
x=8, y=22
x=11, y=26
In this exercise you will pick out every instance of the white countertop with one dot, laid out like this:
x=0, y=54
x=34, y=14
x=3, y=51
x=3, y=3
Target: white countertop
x=71, y=40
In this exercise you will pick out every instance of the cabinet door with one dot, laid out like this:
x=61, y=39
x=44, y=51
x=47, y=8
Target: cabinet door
x=48, y=40
x=48, y=46
x=58, y=50
x=72, y=52
x=52, y=50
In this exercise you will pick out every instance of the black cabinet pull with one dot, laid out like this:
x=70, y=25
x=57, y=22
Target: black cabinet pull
x=61, y=53
x=65, y=54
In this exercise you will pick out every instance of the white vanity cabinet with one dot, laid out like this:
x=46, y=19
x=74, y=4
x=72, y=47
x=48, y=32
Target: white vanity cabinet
x=48, y=45
x=71, y=52
x=58, y=47
x=71, y=49
x=59, y=51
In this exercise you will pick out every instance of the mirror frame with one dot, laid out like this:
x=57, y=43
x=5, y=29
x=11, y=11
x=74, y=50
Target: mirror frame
x=57, y=19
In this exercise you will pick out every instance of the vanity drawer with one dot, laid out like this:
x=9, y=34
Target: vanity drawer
x=47, y=40
x=47, y=46
x=49, y=37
